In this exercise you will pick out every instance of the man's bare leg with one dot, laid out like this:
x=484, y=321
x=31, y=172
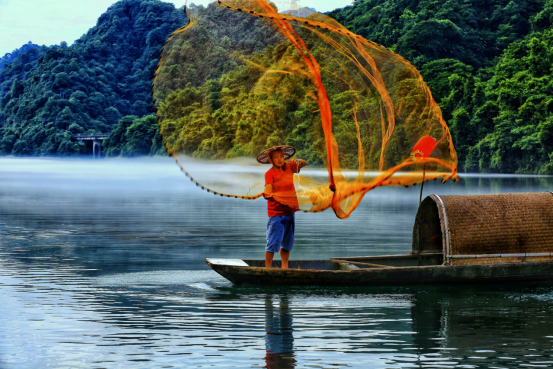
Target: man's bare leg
x=269, y=259
x=284, y=255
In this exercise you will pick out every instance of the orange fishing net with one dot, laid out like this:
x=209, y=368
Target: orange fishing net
x=242, y=77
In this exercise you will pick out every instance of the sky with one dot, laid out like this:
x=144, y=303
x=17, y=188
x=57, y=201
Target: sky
x=53, y=21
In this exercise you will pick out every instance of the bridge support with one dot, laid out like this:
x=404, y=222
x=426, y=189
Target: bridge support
x=96, y=149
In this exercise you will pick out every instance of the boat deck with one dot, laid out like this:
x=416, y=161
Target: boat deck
x=355, y=263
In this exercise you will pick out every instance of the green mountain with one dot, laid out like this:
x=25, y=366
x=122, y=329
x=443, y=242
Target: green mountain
x=489, y=66
x=50, y=93
x=487, y=62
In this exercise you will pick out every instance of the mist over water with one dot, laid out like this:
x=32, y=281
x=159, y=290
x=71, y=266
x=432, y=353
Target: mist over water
x=102, y=266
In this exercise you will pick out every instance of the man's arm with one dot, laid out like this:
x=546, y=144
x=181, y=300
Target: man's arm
x=299, y=162
x=268, y=191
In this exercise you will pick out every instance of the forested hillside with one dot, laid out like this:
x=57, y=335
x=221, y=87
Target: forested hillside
x=487, y=62
x=489, y=66
x=48, y=94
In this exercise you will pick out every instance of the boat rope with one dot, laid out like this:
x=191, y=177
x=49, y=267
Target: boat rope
x=422, y=184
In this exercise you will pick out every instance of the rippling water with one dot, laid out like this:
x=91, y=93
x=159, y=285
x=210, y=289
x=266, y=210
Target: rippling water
x=102, y=266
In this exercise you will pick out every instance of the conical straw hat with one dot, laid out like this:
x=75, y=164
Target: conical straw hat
x=265, y=155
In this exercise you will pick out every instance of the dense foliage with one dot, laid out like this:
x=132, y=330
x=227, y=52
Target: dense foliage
x=10, y=57
x=222, y=119
x=488, y=64
x=49, y=94
x=473, y=32
x=247, y=110
x=133, y=136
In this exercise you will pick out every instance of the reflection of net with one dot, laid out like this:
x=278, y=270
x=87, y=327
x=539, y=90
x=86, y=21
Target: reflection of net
x=240, y=78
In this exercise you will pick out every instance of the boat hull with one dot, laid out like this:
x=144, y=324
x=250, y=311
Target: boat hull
x=385, y=276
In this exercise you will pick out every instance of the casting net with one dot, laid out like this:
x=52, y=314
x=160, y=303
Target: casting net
x=241, y=77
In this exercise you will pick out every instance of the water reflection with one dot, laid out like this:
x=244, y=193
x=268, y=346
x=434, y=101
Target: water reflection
x=279, y=338
x=501, y=324
x=426, y=316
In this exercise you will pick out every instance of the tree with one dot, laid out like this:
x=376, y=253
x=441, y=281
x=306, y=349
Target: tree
x=113, y=145
x=65, y=118
x=17, y=89
x=140, y=136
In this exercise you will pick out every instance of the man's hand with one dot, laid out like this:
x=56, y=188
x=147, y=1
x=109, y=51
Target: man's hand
x=300, y=163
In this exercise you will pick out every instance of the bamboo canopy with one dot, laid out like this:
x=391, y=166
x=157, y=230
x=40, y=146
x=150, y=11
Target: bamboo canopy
x=486, y=229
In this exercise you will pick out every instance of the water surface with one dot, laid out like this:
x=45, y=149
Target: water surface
x=102, y=266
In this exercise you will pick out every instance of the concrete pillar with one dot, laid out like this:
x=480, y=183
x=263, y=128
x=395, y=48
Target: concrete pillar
x=96, y=148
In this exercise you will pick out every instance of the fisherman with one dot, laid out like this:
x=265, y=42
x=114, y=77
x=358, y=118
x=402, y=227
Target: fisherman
x=282, y=201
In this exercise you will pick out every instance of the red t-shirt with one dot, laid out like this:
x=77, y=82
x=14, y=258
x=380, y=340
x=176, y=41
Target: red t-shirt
x=284, y=200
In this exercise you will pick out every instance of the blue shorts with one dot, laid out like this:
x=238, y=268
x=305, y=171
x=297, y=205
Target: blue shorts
x=280, y=233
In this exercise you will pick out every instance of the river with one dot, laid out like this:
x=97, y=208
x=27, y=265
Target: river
x=102, y=266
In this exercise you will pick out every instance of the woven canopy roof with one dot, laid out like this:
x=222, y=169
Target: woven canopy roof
x=474, y=229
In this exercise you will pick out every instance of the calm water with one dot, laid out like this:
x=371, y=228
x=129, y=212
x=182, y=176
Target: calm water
x=102, y=266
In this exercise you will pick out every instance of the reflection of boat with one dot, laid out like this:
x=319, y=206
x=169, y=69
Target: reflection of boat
x=481, y=318
x=456, y=239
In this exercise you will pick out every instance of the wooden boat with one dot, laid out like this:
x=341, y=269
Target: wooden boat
x=456, y=239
